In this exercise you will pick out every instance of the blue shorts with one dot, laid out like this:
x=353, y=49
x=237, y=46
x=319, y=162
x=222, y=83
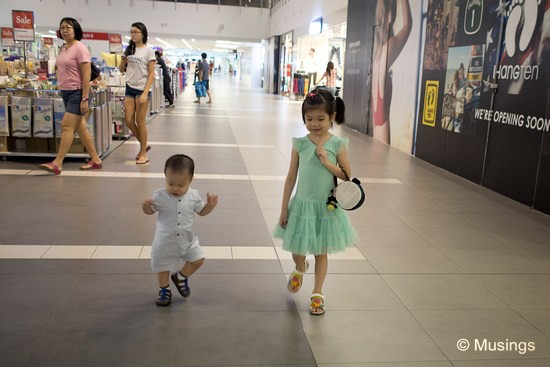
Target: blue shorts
x=206, y=84
x=133, y=92
x=71, y=100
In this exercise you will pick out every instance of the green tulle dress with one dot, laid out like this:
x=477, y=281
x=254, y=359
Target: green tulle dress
x=311, y=227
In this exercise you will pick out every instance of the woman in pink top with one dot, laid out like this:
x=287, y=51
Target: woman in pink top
x=73, y=78
x=330, y=75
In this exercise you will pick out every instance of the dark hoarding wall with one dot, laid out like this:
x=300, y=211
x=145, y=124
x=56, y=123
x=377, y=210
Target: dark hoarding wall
x=519, y=116
x=358, y=64
x=484, y=95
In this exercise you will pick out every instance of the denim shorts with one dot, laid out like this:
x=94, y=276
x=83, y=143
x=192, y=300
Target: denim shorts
x=206, y=84
x=71, y=100
x=133, y=92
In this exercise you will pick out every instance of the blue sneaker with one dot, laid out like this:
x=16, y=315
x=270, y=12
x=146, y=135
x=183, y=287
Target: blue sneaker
x=165, y=297
x=181, y=284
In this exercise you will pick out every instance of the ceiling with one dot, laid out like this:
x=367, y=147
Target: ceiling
x=191, y=46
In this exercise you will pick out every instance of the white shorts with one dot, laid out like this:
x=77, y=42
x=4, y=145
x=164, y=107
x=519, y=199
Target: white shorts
x=172, y=257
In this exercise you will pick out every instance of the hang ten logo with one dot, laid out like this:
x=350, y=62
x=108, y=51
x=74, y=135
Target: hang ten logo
x=522, y=15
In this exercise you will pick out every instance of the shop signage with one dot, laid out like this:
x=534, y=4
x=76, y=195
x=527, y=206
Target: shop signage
x=115, y=42
x=7, y=37
x=23, y=25
x=48, y=41
x=430, y=102
x=96, y=36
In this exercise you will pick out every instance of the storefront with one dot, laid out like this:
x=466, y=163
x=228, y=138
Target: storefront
x=286, y=64
x=314, y=52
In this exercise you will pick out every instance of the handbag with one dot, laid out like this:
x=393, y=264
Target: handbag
x=95, y=72
x=349, y=194
x=200, y=89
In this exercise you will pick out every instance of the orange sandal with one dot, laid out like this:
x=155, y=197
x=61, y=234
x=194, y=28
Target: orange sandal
x=317, y=305
x=296, y=279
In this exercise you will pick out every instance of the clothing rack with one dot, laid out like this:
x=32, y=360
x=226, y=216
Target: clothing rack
x=301, y=84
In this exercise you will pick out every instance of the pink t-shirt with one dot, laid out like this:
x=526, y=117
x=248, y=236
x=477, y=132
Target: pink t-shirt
x=68, y=63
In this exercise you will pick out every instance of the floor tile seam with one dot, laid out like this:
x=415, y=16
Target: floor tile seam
x=209, y=145
x=435, y=246
x=509, y=248
x=44, y=249
x=530, y=323
x=470, y=361
x=296, y=310
x=467, y=273
x=504, y=302
x=429, y=335
x=198, y=176
x=491, y=230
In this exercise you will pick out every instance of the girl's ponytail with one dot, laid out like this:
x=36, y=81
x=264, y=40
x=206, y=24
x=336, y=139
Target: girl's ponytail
x=340, y=109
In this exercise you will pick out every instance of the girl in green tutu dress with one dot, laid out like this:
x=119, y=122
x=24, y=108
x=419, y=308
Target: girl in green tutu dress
x=307, y=225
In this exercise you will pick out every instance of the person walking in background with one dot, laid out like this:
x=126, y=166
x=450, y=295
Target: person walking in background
x=330, y=76
x=306, y=225
x=167, y=80
x=176, y=253
x=139, y=64
x=204, y=76
x=73, y=77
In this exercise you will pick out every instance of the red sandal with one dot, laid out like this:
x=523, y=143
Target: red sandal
x=91, y=165
x=51, y=167
x=146, y=150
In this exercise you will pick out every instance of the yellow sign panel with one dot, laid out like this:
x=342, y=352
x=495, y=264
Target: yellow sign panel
x=430, y=102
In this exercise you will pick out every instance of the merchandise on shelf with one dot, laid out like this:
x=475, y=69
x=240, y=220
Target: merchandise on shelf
x=58, y=112
x=43, y=118
x=4, y=122
x=21, y=116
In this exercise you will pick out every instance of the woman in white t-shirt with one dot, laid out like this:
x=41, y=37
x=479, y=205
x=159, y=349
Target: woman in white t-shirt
x=139, y=63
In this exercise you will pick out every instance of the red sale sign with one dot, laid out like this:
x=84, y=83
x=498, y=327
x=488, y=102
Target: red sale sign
x=23, y=25
x=115, y=42
x=48, y=41
x=7, y=37
x=96, y=36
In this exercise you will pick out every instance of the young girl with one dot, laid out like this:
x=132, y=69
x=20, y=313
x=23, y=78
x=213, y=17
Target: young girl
x=306, y=225
x=139, y=63
x=175, y=244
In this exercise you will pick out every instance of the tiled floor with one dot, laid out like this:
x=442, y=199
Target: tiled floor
x=440, y=259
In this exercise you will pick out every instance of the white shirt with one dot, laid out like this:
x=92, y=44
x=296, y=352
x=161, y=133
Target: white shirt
x=137, y=69
x=175, y=218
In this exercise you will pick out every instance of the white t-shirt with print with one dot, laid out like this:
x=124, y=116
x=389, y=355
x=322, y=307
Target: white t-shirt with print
x=136, y=70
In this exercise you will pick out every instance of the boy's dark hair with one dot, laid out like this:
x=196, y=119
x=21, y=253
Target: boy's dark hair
x=203, y=55
x=131, y=49
x=321, y=97
x=73, y=23
x=180, y=163
x=158, y=53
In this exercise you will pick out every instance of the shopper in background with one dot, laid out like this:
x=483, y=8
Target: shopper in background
x=73, y=78
x=166, y=79
x=307, y=225
x=176, y=253
x=330, y=76
x=204, y=76
x=139, y=63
